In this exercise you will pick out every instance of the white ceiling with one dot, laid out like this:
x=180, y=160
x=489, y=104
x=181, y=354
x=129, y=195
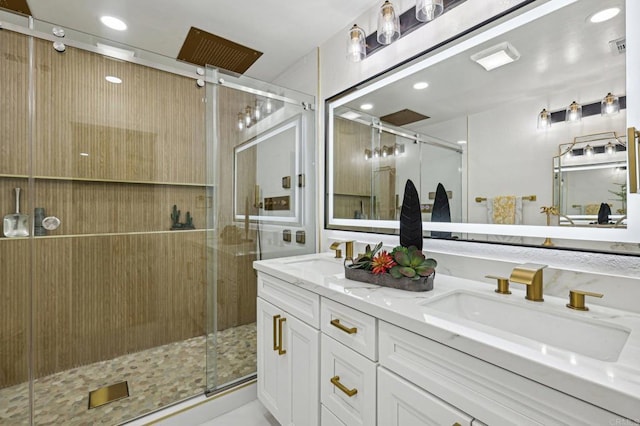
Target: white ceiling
x=283, y=31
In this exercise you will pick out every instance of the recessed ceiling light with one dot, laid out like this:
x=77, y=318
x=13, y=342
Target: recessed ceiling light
x=421, y=85
x=496, y=56
x=604, y=15
x=366, y=107
x=113, y=23
x=350, y=115
x=113, y=79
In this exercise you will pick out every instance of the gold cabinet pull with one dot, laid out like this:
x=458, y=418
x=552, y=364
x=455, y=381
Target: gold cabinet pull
x=336, y=323
x=280, y=350
x=576, y=299
x=275, y=335
x=632, y=163
x=336, y=382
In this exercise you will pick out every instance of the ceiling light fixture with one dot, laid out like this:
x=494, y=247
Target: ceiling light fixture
x=610, y=104
x=428, y=10
x=421, y=85
x=544, y=119
x=356, y=44
x=574, y=112
x=113, y=23
x=366, y=107
x=113, y=79
x=604, y=15
x=496, y=56
x=388, y=24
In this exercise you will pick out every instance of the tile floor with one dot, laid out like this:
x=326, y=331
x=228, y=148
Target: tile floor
x=156, y=377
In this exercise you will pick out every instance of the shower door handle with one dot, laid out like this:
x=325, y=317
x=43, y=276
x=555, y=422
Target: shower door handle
x=280, y=350
x=275, y=334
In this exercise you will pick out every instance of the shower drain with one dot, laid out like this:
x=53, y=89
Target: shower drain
x=107, y=394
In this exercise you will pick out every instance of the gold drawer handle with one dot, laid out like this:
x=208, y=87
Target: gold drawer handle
x=336, y=323
x=280, y=350
x=275, y=335
x=336, y=382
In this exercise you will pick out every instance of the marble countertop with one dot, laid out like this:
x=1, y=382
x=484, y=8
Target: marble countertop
x=612, y=385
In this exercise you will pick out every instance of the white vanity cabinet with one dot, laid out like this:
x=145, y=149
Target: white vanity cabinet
x=348, y=365
x=288, y=351
x=488, y=393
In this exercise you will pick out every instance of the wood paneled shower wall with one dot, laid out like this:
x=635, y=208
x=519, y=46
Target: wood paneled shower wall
x=110, y=160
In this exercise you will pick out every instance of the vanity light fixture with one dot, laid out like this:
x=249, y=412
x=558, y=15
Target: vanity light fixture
x=240, y=121
x=428, y=10
x=588, y=150
x=574, y=112
x=113, y=23
x=376, y=153
x=385, y=151
x=610, y=104
x=604, y=15
x=257, y=111
x=544, y=119
x=248, y=116
x=113, y=79
x=421, y=85
x=268, y=106
x=366, y=107
x=367, y=154
x=388, y=24
x=356, y=44
x=398, y=149
x=496, y=56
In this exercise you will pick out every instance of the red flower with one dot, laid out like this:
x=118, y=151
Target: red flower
x=382, y=263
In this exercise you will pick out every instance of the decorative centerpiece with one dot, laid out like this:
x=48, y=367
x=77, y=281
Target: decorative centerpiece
x=406, y=267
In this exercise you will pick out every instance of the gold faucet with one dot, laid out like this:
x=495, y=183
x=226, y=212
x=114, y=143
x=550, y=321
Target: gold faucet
x=529, y=274
x=348, y=249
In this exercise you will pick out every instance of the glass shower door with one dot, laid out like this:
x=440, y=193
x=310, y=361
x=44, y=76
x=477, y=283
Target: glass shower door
x=261, y=151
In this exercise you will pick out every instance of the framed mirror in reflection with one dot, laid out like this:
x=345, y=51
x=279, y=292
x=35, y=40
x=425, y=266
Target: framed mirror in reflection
x=267, y=180
x=485, y=117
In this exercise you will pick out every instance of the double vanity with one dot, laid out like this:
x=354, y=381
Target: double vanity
x=332, y=351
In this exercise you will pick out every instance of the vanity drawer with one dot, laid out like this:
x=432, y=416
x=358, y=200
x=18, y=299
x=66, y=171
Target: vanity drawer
x=353, y=328
x=347, y=383
x=489, y=393
x=327, y=418
x=299, y=302
x=401, y=403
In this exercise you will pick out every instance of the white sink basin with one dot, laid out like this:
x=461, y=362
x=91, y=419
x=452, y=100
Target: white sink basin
x=531, y=320
x=320, y=265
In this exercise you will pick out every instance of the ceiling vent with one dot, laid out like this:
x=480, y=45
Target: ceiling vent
x=203, y=48
x=19, y=6
x=403, y=117
x=618, y=46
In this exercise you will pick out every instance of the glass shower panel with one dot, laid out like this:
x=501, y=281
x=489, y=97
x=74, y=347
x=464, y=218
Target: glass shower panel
x=15, y=259
x=262, y=149
x=119, y=286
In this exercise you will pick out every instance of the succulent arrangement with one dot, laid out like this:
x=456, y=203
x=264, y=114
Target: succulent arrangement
x=401, y=262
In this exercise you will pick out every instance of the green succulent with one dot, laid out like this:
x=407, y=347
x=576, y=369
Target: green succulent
x=363, y=261
x=411, y=263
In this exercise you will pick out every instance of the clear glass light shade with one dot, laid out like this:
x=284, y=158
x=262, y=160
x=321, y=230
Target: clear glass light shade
x=574, y=112
x=428, y=10
x=240, y=121
x=376, y=153
x=268, y=106
x=544, y=119
x=356, y=44
x=247, y=116
x=367, y=154
x=257, y=111
x=588, y=150
x=610, y=148
x=610, y=104
x=398, y=149
x=388, y=24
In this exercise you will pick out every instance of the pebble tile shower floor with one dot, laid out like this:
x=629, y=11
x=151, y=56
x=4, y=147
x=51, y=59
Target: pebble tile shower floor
x=157, y=377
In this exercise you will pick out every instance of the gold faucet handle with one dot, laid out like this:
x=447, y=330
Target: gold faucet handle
x=503, y=284
x=335, y=246
x=576, y=299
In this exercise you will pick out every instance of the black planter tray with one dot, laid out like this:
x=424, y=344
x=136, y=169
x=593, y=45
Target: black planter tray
x=386, y=280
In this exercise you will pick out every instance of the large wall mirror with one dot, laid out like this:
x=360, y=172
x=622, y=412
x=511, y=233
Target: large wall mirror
x=514, y=133
x=267, y=175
